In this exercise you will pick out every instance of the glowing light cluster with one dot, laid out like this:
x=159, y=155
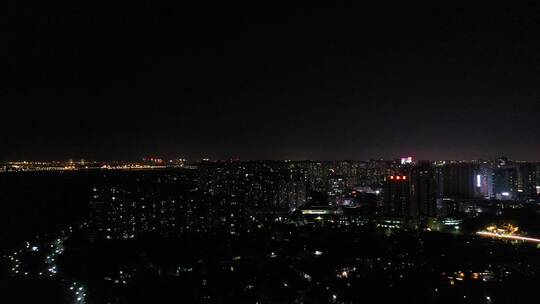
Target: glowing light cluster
x=511, y=237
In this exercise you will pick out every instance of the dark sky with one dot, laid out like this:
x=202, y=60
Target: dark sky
x=259, y=80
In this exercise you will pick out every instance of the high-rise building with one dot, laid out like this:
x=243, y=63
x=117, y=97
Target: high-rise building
x=458, y=180
x=505, y=183
x=483, y=182
x=336, y=188
x=423, y=191
x=397, y=196
x=529, y=182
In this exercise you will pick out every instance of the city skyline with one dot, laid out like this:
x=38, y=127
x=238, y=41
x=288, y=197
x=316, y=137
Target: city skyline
x=166, y=160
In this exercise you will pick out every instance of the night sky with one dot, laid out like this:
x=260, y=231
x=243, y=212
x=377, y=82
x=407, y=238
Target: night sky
x=258, y=80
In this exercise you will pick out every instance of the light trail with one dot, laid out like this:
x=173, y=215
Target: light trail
x=511, y=237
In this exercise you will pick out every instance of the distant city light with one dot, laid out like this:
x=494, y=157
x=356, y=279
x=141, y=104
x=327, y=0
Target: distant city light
x=406, y=160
